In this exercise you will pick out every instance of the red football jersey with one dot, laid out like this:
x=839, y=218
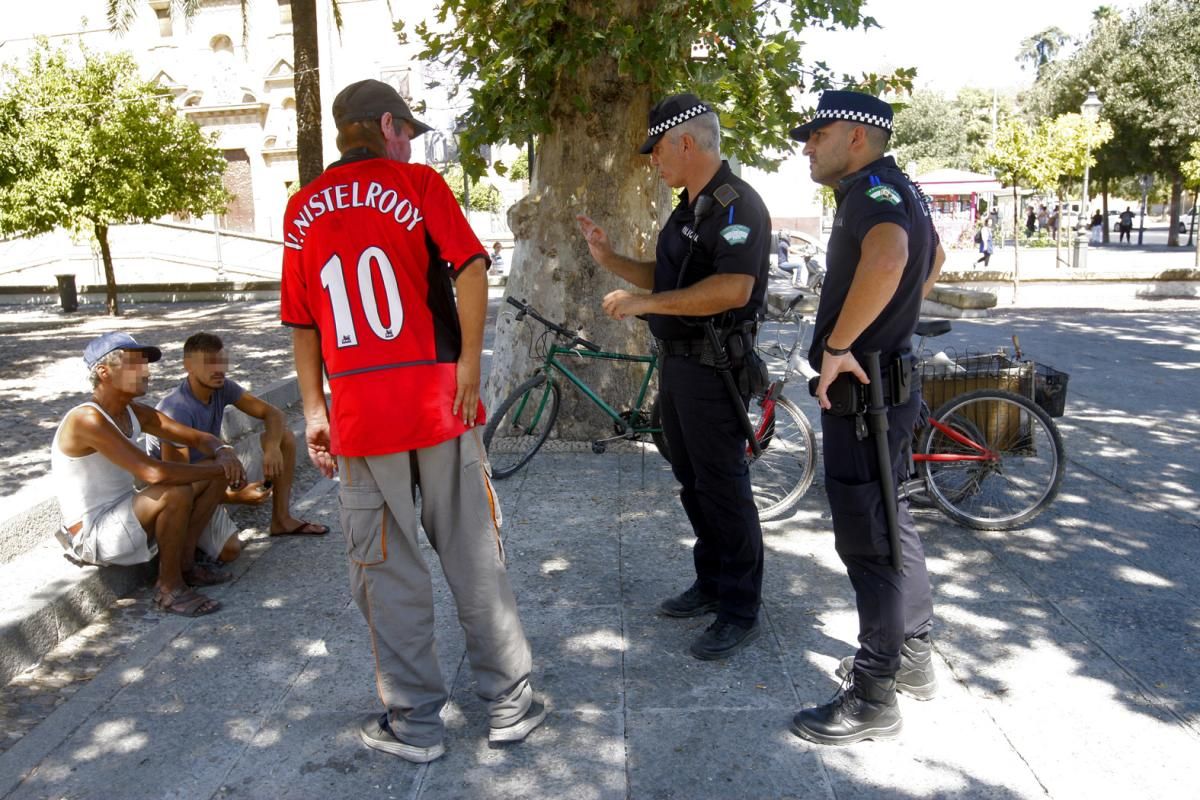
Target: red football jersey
x=369, y=250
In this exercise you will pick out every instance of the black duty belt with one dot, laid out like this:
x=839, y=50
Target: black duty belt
x=682, y=347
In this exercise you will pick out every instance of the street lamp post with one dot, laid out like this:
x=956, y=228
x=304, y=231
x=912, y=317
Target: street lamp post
x=1146, y=181
x=1091, y=112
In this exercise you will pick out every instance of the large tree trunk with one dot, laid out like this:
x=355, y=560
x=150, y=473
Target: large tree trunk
x=1176, y=203
x=308, y=90
x=588, y=165
x=110, y=278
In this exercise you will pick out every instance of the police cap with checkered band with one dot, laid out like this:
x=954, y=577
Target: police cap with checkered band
x=855, y=107
x=672, y=111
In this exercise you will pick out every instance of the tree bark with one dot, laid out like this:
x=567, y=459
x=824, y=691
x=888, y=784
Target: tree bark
x=1176, y=202
x=110, y=278
x=588, y=164
x=308, y=90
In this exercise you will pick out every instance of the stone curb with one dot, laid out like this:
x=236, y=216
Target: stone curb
x=44, y=598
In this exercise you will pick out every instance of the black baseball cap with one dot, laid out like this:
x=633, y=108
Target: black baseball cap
x=850, y=106
x=371, y=99
x=671, y=111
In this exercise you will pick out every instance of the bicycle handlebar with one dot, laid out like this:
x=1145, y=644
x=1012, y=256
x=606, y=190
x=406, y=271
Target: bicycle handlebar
x=526, y=309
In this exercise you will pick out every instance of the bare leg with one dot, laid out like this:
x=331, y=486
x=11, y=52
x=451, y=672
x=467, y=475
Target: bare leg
x=163, y=512
x=231, y=550
x=208, y=495
x=281, y=487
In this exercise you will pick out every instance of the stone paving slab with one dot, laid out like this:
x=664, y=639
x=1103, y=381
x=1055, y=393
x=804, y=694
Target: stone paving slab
x=1063, y=654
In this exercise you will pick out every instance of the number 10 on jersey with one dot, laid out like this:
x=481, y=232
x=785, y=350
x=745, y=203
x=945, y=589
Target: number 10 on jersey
x=334, y=282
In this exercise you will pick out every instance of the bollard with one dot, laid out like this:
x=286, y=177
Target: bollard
x=67, y=294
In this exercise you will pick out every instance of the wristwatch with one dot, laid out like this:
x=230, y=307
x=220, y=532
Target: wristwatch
x=833, y=351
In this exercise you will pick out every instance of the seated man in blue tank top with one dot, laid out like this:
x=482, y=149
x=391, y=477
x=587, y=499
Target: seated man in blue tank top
x=95, y=460
x=199, y=402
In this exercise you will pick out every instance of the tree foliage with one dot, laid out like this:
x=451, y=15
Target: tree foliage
x=1038, y=50
x=87, y=144
x=484, y=196
x=1144, y=68
x=939, y=132
x=577, y=77
x=519, y=171
x=744, y=55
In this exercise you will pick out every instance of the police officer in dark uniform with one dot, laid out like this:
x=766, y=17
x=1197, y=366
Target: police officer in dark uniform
x=711, y=262
x=882, y=259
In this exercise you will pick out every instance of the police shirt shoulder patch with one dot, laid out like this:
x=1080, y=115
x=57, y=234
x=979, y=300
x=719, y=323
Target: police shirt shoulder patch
x=735, y=234
x=882, y=193
x=725, y=194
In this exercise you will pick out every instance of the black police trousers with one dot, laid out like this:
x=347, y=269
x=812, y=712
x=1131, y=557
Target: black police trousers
x=708, y=457
x=892, y=607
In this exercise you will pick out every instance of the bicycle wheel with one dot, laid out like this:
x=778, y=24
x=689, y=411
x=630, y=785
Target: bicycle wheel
x=919, y=498
x=784, y=470
x=660, y=439
x=520, y=425
x=1008, y=469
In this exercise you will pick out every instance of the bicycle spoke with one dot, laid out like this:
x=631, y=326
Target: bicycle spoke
x=1017, y=484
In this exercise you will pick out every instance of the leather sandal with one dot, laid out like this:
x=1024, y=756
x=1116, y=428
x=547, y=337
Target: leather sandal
x=185, y=603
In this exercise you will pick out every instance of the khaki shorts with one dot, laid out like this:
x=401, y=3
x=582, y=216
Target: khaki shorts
x=114, y=537
x=117, y=537
x=213, y=538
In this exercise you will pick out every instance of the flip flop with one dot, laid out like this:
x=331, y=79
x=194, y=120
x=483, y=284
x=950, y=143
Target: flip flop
x=201, y=575
x=304, y=529
x=185, y=603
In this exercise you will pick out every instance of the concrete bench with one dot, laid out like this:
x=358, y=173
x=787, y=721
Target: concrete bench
x=954, y=301
x=44, y=598
x=778, y=299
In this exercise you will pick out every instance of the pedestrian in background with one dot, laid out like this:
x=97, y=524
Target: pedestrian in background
x=1126, y=223
x=984, y=240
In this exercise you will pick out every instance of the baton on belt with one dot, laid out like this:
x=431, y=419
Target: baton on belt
x=721, y=362
x=700, y=210
x=877, y=422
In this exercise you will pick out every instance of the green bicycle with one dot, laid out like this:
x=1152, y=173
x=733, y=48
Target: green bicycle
x=522, y=423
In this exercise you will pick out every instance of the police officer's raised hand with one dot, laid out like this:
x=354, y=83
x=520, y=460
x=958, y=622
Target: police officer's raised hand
x=831, y=367
x=620, y=304
x=596, y=238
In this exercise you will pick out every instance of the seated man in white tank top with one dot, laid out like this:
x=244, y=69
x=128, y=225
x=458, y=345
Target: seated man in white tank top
x=96, y=459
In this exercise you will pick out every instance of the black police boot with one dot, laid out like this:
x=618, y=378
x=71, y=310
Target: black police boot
x=915, y=678
x=723, y=639
x=691, y=603
x=864, y=708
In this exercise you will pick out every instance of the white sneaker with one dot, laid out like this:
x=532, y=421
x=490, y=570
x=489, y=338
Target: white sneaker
x=377, y=735
x=535, y=716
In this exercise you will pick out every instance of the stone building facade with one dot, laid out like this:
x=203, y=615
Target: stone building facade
x=235, y=77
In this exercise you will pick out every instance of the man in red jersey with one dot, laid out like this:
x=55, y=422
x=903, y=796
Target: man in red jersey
x=371, y=248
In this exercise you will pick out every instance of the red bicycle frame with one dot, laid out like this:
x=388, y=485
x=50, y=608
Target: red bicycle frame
x=983, y=453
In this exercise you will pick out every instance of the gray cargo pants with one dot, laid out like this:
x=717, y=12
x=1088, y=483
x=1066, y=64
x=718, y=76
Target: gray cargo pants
x=390, y=581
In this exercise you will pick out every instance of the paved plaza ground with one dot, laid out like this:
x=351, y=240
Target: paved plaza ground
x=1067, y=651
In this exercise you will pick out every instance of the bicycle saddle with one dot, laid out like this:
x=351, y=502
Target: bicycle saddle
x=933, y=327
